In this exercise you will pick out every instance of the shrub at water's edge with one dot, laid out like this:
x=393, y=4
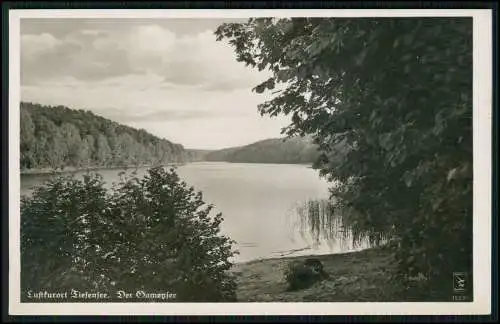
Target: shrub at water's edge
x=152, y=234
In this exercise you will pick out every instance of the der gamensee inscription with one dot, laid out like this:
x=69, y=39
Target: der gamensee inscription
x=74, y=295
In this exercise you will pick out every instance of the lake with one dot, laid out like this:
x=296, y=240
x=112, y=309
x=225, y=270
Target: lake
x=258, y=202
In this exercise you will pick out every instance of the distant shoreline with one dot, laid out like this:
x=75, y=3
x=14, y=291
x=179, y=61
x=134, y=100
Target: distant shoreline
x=42, y=171
x=308, y=164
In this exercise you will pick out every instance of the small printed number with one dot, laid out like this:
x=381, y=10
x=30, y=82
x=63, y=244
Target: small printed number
x=459, y=298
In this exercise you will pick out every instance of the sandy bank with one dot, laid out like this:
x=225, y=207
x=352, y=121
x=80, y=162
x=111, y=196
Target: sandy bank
x=363, y=276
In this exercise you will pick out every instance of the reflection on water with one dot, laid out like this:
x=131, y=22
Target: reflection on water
x=262, y=204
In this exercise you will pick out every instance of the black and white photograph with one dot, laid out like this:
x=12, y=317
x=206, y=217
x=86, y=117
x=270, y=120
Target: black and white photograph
x=235, y=162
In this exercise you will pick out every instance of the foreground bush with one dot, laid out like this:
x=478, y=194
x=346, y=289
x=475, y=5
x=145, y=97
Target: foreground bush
x=301, y=275
x=153, y=234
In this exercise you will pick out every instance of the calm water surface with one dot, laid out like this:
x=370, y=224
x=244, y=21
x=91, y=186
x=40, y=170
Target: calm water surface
x=258, y=203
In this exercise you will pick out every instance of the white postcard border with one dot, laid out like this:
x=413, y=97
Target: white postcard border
x=482, y=131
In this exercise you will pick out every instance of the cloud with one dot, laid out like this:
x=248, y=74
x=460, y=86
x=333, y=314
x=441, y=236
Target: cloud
x=45, y=58
x=61, y=27
x=167, y=115
x=151, y=40
x=91, y=54
x=143, y=96
x=35, y=45
x=201, y=60
x=90, y=32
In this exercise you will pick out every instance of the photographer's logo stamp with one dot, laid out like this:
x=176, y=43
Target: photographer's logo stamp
x=459, y=282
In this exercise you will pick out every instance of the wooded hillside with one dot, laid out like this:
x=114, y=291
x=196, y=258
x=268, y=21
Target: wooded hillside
x=274, y=150
x=56, y=137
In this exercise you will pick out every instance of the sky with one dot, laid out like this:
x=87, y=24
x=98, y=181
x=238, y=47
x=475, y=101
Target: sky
x=167, y=76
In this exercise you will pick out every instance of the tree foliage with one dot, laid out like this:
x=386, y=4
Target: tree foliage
x=154, y=234
x=396, y=95
x=58, y=137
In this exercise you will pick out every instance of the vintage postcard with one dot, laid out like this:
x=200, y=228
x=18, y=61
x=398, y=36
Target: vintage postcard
x=220, y=162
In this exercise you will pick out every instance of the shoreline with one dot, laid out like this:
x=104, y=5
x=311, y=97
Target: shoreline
x=295, y=257
x=44, y=171
x=309, y=164
x=358, y=276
